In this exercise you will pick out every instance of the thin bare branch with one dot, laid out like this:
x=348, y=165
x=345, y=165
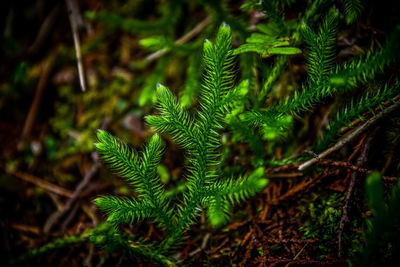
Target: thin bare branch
x=351, y=136
x=73, y=14
x=196, y=30
x=41, y=183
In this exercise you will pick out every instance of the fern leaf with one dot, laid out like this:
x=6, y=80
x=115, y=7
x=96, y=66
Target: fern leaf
x=365, y=68
x=320, y=61
x=218, y=81
x=218, y=210
x=352, y=10
x=240, y=189
x=121, y=158
x=191, y=89
x=173, y=119
x=321, y=54
x=124, y=210
x=219, y=195
x=354, y=110
x=141, y=173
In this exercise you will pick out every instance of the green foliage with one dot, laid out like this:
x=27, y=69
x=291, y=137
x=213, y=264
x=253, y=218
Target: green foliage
x=368, y=66
x=199, y=136
x=323, y=221
x=140, y=173
x=103, y=235
x=355, y=109
x=191, y=89
x=267, y=43
x=107, y=237
x=381, y=235
x=352, y=10
x=321, y=53
x=55, y=245
x=320, y=62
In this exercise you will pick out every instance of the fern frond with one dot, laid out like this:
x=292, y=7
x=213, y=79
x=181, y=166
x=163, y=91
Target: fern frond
x=218, y=81
x=173, y=119
x=320, y=62
x=240, y=189
x=141, y=173
x=352, y=9
x=355, y=109
x=124, y=210
x=282, y=60
x=321, y=53
x=218, y=210
x=191, y=89
x=366, y=67
x=320, y=58
x=220, y=195
x=107, y=237
x=121, y=158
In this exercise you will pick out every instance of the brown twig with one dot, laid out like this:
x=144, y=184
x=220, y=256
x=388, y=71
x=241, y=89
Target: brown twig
x=346, y=165
x=283, y=175
x=214, y=250
x=75, y=195
x=70, y=216
x=26, y=228
x=41, y=183
x=298, y=254
x=289, y=241
x=30, y=118
x=203, y=245
x=303, y=186
x=362, y=159
x=73, y=14
x=45, y=29
x=357, y=121
x=78, y=190
x=372, y=121
x=196, y=30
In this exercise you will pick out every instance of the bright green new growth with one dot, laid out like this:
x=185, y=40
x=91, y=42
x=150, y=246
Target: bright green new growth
x=140, y=173
x=200, y=138
x=267, y=43
x=320, y=61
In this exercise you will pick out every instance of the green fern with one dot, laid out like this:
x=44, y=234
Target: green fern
x=320, y=59
x=367, y=67
x=193, y=75
x=352, y=10
x=355, y=109
x=199, y=136
x=140, y=172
